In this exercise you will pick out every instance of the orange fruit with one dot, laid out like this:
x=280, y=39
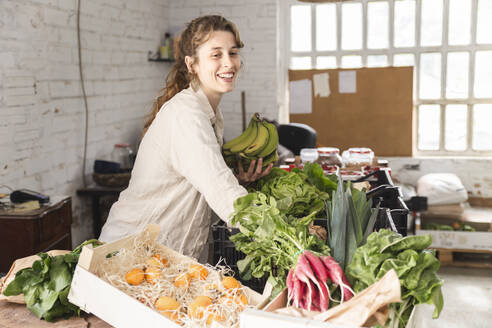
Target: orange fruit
x=230, y=282
x=215, y=317
x=183, y=280
x=198, y=306
x=135, y=276
x=152, y=273
x=198, y=271
x=157, y=261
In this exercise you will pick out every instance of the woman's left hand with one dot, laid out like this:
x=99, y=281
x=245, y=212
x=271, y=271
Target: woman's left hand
x=252, y=174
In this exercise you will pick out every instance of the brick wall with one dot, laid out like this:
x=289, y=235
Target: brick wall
x=41, y=108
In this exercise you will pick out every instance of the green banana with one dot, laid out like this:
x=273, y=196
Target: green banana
x=248, y=139
x=272, y=140
x=272, y=158
x=250, y=130
x=259, y=142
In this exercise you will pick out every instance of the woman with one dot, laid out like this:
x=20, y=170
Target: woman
x=179, y=174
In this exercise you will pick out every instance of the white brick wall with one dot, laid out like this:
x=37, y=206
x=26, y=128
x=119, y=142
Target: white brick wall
x=41, y=108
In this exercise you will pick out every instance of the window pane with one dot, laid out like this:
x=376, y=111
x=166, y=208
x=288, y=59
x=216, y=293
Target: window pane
x=377, y=25
x=300, y=28
x=351, y=61
x=431, y=24
x=459, y=22
x=482, y=120
x=484, y=21
x=377, y=61
x=483, y=74
x=300, y=63
x=326, y=62
x=429, y=121
x=456, y=126
x=351, y=26
x=404, y=60
x=404, y=23
x=326, y=27
x=430, y=76
x=457, y=75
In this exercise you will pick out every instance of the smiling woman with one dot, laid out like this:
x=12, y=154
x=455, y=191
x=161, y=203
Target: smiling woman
x=179, y=173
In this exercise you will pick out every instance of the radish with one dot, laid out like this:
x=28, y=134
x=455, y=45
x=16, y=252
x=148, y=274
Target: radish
x=290, y=285
x=296, y=292
x=336, y=274
x=322, y=274
x=315, y=298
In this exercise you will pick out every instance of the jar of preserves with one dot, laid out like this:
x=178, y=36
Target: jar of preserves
x=358, y=157
x=329, y=156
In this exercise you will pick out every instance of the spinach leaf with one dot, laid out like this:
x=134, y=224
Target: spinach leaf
x=46, y=284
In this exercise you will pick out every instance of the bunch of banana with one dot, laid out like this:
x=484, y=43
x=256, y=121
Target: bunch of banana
x=259, y=140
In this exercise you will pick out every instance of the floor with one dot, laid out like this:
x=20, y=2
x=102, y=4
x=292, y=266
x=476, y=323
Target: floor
x=467, y=300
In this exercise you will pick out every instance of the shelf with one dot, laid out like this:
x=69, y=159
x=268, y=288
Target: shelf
x=154, y=57
x=161, y=60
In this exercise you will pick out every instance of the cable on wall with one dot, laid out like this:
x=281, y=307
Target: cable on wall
x=79, y=46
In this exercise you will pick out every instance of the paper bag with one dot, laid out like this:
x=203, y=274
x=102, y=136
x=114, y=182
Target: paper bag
x=19, y=264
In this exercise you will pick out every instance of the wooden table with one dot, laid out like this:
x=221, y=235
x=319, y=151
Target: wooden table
x=95, y=193
x=14, y=315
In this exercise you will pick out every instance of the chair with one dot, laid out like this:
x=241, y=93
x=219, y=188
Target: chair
x=296, y=136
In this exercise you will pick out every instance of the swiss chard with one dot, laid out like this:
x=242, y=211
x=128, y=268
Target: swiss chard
x=416, y=268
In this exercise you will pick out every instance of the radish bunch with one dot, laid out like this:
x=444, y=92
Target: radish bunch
x=308, y=282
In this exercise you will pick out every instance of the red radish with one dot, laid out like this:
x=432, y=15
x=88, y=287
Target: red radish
x=290, y=285
x=303, y=272
x=296, y=291
x=315, y=298
x=322, y=273
x=302, y=295
x=336, y=274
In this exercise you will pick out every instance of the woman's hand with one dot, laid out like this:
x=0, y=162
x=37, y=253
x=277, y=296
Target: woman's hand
x=252, y=174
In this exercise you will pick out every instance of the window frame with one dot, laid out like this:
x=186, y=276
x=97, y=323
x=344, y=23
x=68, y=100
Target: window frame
x=284, y=55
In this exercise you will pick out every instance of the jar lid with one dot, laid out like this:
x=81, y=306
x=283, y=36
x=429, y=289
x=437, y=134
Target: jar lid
x=360, y=150
x=122, y=145
x=328, y=150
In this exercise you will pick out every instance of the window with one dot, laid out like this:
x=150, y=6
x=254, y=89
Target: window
x=447, y=41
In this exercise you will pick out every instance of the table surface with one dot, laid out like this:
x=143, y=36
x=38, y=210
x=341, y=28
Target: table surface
x=14, y=315
x=95, y=190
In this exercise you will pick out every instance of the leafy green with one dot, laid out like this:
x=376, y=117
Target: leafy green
x=294, y=194
x=46, y=284
x=416, y=268
x=270, y=239
x=350, y=219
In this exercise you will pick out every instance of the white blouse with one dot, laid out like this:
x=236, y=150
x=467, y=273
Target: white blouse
x=179, y=174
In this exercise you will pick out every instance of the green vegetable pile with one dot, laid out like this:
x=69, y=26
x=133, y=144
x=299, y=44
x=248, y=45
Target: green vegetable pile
x=416, y=269
x=46, y=284
x=270, y=239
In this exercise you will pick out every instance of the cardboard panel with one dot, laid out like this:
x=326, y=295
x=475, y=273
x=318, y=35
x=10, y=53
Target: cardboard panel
x=378, y=115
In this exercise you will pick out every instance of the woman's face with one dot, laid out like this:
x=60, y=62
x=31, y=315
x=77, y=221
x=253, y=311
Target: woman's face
x=218, y=64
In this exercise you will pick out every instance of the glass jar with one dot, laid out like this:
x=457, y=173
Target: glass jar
x=122, y=153
x=358, y=157
x=309, y=155
x=329, y=156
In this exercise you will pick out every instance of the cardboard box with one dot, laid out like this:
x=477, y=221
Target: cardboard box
x=94, y=295
x=254, y=318
x=476, y=240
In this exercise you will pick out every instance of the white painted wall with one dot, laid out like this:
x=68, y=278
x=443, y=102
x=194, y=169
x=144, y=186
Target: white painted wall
x=41, y=108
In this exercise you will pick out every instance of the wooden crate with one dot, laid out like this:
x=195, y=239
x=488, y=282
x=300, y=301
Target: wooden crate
x=451, y=257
